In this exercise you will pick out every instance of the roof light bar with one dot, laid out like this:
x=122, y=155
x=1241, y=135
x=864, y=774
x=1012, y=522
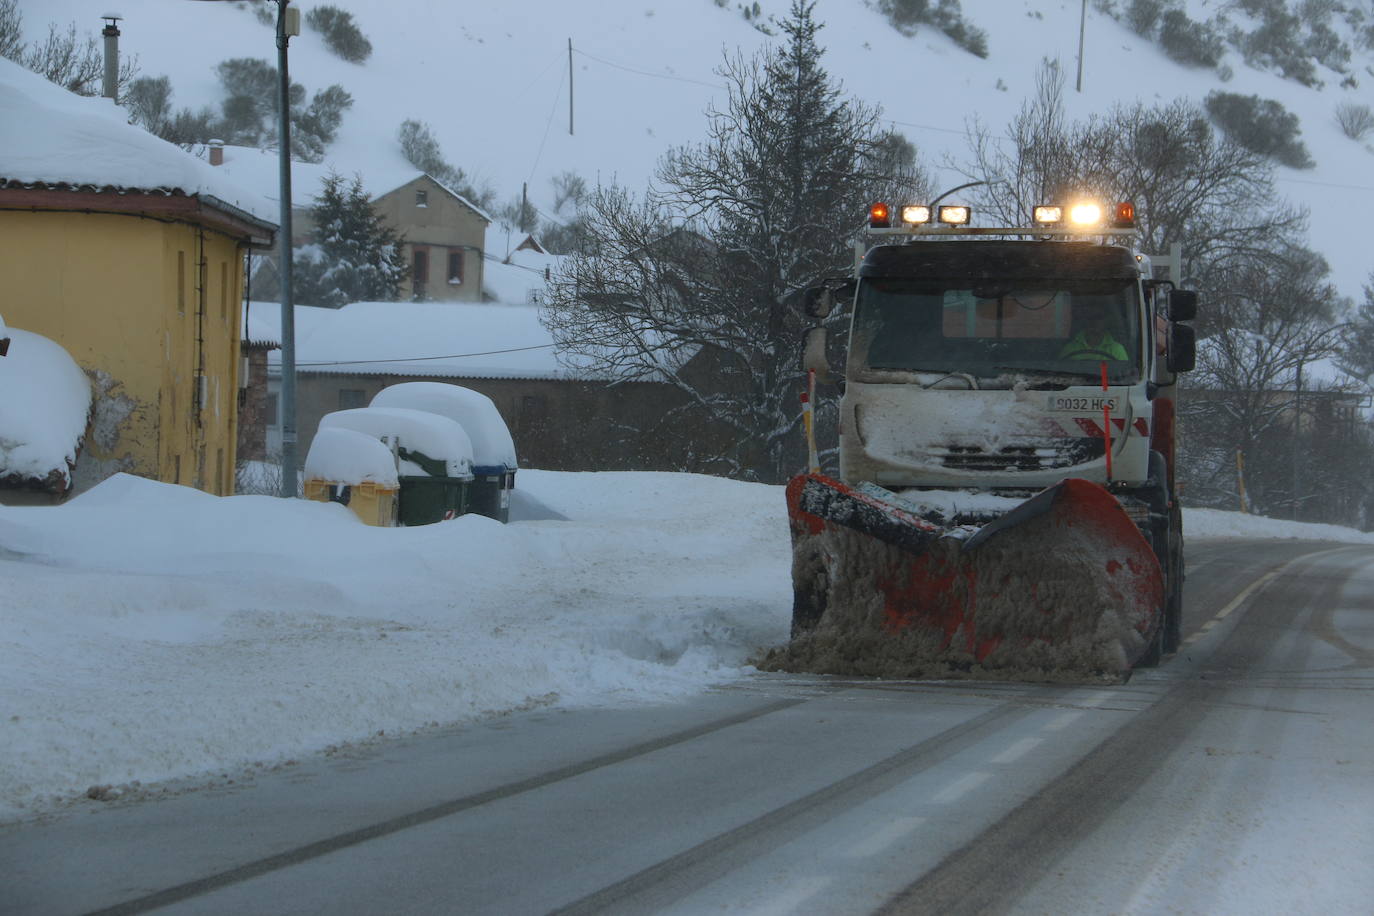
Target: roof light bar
x=915, y=214
x=1085, y=214
x=1048, y=214
x=955, y=214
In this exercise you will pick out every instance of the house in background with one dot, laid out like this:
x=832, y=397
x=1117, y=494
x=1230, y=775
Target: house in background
x=130, y=254
x=560, y=417
x=443, y=233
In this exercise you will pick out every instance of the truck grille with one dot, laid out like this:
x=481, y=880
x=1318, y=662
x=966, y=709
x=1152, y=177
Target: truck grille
x=1062, y=453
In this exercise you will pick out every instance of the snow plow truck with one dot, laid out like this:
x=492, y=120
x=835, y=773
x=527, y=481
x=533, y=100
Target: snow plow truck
x=1006, y=503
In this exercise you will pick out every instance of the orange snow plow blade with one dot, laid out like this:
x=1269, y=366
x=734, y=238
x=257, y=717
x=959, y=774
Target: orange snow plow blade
x=1062, y=587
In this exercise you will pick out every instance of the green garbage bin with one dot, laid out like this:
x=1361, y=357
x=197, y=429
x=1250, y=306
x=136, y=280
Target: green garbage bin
x=433, y=497
x=489, y=494
x=426, y=500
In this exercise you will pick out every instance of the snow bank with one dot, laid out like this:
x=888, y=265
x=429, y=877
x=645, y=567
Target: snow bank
x=45, y=400
x=152, y=631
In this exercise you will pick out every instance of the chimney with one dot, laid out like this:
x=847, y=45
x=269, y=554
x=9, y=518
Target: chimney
x=111, y=33
x=217, y=152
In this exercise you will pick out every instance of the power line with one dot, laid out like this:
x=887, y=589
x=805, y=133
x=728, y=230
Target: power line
x=661, y=76
x=417, y=359
x=1326, y=184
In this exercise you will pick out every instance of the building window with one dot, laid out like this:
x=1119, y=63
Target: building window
x=181, y=281
x=269, y=410
x=421, y=198
x=455, y=268
x=350, y=398
x=419, y=273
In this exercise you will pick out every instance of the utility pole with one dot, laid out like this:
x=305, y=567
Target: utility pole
x=288, y=24
x=570, y=88
x=1082, y=31
x=1297, y=439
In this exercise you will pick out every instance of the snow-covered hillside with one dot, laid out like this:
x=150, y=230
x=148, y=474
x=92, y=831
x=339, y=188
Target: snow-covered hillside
x=492, y=80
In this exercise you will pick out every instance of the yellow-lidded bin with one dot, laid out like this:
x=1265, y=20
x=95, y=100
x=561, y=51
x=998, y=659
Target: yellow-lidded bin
x=355, y=470
x=372, y=502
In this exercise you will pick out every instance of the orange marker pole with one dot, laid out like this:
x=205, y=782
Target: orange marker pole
x=1106, y=422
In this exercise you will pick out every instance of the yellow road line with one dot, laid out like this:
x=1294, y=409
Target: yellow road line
x=1250, y=590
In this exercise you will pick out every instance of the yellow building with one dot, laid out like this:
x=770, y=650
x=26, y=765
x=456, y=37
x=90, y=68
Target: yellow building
x=130, y=253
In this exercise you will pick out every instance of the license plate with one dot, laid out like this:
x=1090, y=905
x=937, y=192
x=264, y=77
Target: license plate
x=1079, y=404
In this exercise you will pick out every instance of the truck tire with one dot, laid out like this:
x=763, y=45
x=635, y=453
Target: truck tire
x=1173, y=610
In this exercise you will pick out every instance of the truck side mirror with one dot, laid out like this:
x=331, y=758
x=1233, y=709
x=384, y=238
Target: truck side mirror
x=1182, y=305
x=813, y=353
x=1182, y=355
x=818, y=302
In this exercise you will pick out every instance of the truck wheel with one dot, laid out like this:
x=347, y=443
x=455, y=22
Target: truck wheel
x=1154, y=653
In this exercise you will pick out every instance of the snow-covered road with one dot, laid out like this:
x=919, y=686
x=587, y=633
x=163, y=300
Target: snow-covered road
x=1231, y=780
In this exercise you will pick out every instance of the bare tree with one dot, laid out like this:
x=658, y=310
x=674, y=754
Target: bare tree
x=697, y=282
x=73, y=62
x=1272, y=320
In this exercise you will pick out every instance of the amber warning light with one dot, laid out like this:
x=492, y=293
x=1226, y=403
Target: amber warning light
x=1125, y=215
x=879, y=216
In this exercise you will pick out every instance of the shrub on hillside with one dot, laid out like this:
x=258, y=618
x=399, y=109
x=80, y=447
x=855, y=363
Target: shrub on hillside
x=1194, y=44
x=1355, y=120
x=1261, y=125
x=1274, y=46
x=945, y=15
x=1143, y=16
x=341, y=33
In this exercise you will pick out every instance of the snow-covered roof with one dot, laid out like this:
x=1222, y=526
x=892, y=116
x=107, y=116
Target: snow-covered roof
x=260, y=170
x=55, y=137
x=521, y=278
x=346, y=456
x=262, y=324
x=424, y=339
x=45, y=400
x=492, y=445
x=429, y=434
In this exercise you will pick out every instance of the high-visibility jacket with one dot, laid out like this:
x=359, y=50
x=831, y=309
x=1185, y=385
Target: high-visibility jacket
x=1079, y=348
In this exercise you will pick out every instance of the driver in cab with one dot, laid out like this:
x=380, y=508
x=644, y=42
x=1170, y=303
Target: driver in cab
x=1093, y=340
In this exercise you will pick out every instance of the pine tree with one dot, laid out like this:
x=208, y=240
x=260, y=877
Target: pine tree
x=356, y=256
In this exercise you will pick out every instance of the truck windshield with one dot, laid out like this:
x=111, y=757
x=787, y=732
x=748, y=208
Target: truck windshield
x=1062, y=328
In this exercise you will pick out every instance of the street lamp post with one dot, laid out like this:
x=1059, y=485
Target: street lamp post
x=288, y=24
x=971, y=184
